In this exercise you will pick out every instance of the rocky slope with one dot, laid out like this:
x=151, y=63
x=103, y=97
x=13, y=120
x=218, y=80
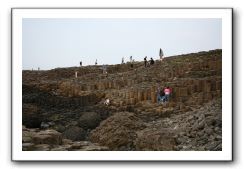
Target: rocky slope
x=61, y=112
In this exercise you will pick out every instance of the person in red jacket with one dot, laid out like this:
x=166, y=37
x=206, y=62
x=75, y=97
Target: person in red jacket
x=167, y=92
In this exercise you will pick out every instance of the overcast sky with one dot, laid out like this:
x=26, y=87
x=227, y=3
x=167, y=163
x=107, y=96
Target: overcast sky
x=52, y=43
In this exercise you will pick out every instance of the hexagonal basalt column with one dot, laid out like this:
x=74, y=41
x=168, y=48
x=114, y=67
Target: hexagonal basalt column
x=140, y=95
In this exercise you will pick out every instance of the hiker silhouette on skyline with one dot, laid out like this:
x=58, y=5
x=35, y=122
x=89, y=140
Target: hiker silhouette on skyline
x=123, y=60
x=161, y=54
x=145, y=61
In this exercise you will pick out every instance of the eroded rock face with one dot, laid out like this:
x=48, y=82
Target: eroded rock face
x=89, y=120
x=118, y=132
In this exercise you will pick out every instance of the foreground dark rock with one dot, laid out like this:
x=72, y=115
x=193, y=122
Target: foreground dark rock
x=118, y=132
x=89, y=120
x=51, y=140
x=74, y=133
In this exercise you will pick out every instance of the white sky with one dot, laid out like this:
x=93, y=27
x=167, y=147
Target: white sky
x=52, y=43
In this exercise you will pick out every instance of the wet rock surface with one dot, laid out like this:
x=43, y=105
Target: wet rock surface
x=64, y=113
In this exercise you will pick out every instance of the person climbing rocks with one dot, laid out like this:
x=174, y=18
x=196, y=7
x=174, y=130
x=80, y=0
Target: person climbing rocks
x=158, y=94
x=107, y=102
x=162, y=96
x=167, y=92
x=151, y=61
x=145, y=61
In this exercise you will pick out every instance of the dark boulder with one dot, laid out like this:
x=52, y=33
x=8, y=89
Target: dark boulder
x=89, y=120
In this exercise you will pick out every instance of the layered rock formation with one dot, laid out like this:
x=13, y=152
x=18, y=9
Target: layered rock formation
x=57, y=106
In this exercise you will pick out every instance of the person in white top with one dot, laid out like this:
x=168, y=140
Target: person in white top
x=161, y=54
x=106, y=102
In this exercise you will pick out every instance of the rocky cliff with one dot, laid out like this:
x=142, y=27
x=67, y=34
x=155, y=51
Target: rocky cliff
x=62, y=112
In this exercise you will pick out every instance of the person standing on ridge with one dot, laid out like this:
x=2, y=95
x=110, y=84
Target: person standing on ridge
x=161, y=54
x=123, y=60
x=96, y=62
x=131, y=62
x=80, y=63
x=145, y=61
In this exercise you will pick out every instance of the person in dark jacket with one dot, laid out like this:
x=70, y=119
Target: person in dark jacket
x=151, y=61
x=145, y=61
